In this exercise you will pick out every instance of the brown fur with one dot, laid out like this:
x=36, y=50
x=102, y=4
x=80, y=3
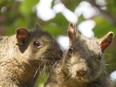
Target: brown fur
x=20, y=58
x=83, y=65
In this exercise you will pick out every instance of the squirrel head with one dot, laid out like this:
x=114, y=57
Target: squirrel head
x=43, y=47
x=84, y=60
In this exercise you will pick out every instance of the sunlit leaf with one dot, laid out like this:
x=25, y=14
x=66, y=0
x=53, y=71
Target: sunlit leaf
x=103, y=26
x=27, y=6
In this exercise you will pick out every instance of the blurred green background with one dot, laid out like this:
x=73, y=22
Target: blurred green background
x=25, y=13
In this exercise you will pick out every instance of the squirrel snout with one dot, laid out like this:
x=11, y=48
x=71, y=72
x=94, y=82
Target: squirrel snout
x=81, y=72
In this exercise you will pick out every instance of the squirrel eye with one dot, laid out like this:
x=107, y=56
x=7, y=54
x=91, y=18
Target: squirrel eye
x=36, y=44
x=70, y=50
x=100, y=56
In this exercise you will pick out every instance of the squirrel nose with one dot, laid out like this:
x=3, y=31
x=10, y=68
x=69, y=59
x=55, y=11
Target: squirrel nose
x=81, y=72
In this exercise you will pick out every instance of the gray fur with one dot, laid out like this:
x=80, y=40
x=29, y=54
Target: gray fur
x=83, y=64
x=19, y=61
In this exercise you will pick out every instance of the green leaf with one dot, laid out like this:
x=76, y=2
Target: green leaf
x=26, y=7
x=41, y=80
x=20, y=23
x=53, y=29
x=103, y=26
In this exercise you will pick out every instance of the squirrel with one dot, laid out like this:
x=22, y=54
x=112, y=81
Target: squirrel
x=83, y=64
x=25, y=53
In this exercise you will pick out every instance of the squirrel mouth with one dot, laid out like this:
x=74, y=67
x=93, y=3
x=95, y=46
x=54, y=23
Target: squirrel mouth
x=80, y=78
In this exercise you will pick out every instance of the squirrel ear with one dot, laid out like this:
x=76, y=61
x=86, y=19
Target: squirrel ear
x=21, y=34
x=106, y=40
x=71, y=33
x=38, y=27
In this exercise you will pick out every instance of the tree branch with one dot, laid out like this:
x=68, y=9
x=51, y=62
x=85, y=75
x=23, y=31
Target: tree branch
x=104, y=12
